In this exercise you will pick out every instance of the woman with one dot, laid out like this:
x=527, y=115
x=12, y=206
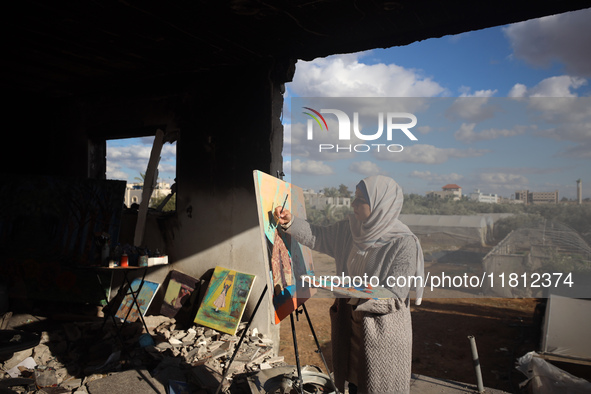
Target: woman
x=371, y=339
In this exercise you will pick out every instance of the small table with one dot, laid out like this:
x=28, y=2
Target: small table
x=130, y=291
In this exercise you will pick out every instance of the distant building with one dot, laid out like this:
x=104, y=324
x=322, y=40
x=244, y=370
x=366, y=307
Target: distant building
x=319, y=200
x=537, y=197
x=133, y=192
x=522, y=195
x=481, y=197
x=505, y=200
x=450, y=190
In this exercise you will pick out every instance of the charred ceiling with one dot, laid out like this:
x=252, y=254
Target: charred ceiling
x=59, y=49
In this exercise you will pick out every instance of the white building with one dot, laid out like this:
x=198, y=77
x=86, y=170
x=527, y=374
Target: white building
x=451, y=190
x=481, y=197
x=319, y=201
x=133, y=192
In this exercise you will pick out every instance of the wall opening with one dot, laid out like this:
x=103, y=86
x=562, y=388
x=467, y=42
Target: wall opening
x=127, y=160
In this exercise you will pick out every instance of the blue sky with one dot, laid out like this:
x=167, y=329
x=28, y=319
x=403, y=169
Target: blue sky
x=493, y=142
x=128, y=158
x=540, y=151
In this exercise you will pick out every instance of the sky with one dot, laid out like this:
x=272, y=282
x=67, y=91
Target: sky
x=127, y=159
x=500, y=110
x=483, y=123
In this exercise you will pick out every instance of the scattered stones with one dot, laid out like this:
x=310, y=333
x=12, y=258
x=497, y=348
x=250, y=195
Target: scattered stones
x=91, y=358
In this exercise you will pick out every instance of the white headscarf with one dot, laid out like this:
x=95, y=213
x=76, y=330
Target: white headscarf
x=382, y=225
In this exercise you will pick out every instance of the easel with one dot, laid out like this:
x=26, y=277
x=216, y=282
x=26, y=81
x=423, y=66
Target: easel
x=299, y=383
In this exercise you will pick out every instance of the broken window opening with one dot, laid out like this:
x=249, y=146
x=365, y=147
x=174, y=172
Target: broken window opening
x=127, y=160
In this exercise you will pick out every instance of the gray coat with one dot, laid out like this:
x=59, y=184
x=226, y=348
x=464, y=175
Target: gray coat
x=386, y=338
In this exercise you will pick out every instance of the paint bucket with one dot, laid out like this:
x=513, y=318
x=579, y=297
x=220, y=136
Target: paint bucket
x=314, y=381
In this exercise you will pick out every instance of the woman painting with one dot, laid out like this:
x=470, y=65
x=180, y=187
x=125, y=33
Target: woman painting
x=371, y=339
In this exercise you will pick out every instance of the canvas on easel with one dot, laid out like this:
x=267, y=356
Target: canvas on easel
x=225, y=300
x=287, y=260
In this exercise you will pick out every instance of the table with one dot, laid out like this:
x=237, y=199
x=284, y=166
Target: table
x=125, y=283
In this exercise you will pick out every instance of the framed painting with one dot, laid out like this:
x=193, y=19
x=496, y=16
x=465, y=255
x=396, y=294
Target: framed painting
x=178, y=293
x=225, y=300
x=287, y=260
x=144, y=299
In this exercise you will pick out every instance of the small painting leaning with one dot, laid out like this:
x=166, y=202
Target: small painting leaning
x=225, y=300
x=287, y=260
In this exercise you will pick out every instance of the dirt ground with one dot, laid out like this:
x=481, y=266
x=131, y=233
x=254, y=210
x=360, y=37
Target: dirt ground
x=504, y=330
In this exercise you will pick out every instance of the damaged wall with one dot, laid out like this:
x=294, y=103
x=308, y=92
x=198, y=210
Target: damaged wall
x=228, y=124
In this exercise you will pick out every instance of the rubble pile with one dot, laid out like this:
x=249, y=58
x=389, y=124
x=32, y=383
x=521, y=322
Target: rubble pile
x=84, y=353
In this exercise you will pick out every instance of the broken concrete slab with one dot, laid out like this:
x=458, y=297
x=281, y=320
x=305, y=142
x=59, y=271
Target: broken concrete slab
x=127, y=382
x=197, y=355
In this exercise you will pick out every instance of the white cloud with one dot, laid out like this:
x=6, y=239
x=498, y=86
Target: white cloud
x=560, y=37
x=425, y=129
x=576, y=133
x=132, y=159
x=114, y=172
x=559, y=86
x=580, y=134
x=366, y=168
x=467, y=134
x=127, y=162
x=309, y=167
x=505, y=180
x=300, y=146
x=346, y=76
x=438, y=178
x=478, y=93
x=472, y=108
x=582, y=151
x=518, y=90
x=429, y=154
x=571, y=118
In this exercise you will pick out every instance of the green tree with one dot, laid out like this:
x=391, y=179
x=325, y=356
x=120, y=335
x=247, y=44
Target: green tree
x=504, y=226
x=141, y=178
x=344, y=191
x=330, y=192
x=169, y=206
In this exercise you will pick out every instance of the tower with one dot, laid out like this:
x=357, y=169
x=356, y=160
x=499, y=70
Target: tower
x=579, y=191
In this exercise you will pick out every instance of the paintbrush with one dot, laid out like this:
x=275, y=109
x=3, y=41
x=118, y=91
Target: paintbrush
x=283, y=207
x=274, y=226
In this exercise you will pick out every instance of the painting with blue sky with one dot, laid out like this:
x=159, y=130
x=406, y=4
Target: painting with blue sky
x=547, y=57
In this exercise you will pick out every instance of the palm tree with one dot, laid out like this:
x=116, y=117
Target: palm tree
x=344, y=191
x=331, y=192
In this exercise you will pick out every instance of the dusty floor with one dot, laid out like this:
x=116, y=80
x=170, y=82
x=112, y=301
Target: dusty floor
x=504, y=329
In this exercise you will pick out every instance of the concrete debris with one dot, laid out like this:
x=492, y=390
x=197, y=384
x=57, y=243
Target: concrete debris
x=91, y=358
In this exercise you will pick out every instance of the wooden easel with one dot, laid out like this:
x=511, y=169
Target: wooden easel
x=299, y=386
